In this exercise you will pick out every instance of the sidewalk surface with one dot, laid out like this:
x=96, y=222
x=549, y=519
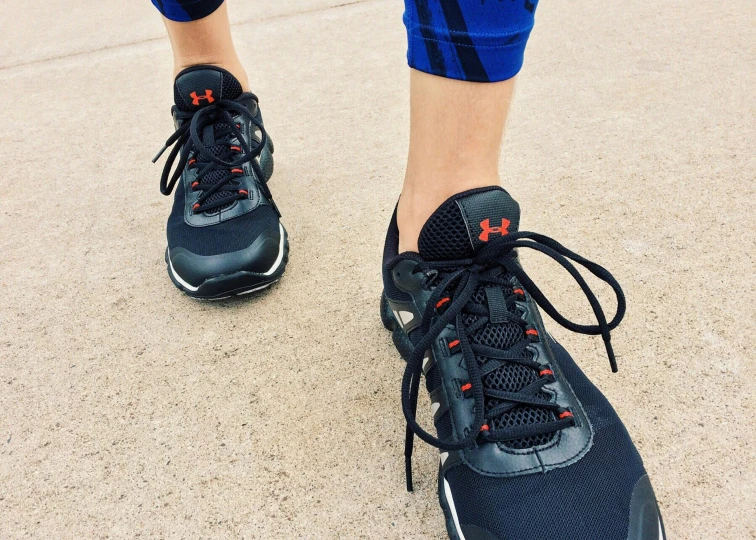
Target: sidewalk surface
x=128, y=410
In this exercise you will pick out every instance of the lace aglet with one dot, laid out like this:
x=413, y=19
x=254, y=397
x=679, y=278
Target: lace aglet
x=409, y=441
x=408, y=472
x=610, y=353
x=160, y=153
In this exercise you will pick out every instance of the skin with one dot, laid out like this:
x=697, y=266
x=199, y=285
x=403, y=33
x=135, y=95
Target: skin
x=456, y=127
x=206, y=41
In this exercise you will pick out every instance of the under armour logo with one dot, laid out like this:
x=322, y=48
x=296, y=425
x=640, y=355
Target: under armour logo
x=208, y=95
x=487, y=229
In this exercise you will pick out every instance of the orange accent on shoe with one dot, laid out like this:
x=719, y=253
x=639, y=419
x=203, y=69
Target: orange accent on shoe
x=487, y=229
x=466, y=387
x=453, y=343
x=239, y=171
x=243, y=192
x=565, y=414
x=531, y=332
x=545, y=372
x=208, y=96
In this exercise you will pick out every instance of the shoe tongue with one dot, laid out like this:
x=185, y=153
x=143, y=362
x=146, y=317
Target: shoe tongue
x=466, y=221
x=199, y=86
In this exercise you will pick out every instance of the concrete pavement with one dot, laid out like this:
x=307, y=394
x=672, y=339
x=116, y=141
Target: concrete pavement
x=128, y=410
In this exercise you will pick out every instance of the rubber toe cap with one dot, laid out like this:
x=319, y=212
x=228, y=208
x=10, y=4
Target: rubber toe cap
x=259, y=258
x=645, y=518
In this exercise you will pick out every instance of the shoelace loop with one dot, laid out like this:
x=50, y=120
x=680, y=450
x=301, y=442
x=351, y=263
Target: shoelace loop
x=187, y=140
x=446, y=306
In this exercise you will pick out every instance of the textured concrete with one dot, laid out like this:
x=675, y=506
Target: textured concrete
x=47, y=29
x=129, y=410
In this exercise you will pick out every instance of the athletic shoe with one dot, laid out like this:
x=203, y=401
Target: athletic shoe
x=224, y=233
x=530, y=449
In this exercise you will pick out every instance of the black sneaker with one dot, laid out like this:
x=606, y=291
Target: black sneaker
x=224, y=233
x=530, y=449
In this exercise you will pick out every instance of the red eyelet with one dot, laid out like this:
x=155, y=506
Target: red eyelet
x=545, y=372
x=565, y=414
x=243, y=192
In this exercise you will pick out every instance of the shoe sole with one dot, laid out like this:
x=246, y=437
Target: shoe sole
x=236, y=284
x=404, y=346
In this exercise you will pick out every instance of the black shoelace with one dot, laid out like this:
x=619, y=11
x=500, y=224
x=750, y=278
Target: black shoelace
x=456, y=283
x=217, y=191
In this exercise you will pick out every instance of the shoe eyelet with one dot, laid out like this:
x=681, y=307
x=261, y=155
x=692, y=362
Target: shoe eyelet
x=546, y=372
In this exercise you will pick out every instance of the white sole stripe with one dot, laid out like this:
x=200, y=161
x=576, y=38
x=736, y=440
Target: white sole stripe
x=452, y=509
x=273, y=268
x=178, y=277
x=278, y=260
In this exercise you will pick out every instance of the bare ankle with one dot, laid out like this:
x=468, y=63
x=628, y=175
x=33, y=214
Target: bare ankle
x=455, y=136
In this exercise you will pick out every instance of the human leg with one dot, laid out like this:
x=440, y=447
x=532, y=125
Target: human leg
x=224, y=234
x=529, y=448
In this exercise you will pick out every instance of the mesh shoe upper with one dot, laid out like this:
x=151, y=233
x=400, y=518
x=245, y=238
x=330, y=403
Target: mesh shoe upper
x=588, y=496
x=224, y=237
x=222, y=204
x=588, y=500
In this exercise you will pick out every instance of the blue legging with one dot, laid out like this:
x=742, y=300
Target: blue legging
x=470, y=40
